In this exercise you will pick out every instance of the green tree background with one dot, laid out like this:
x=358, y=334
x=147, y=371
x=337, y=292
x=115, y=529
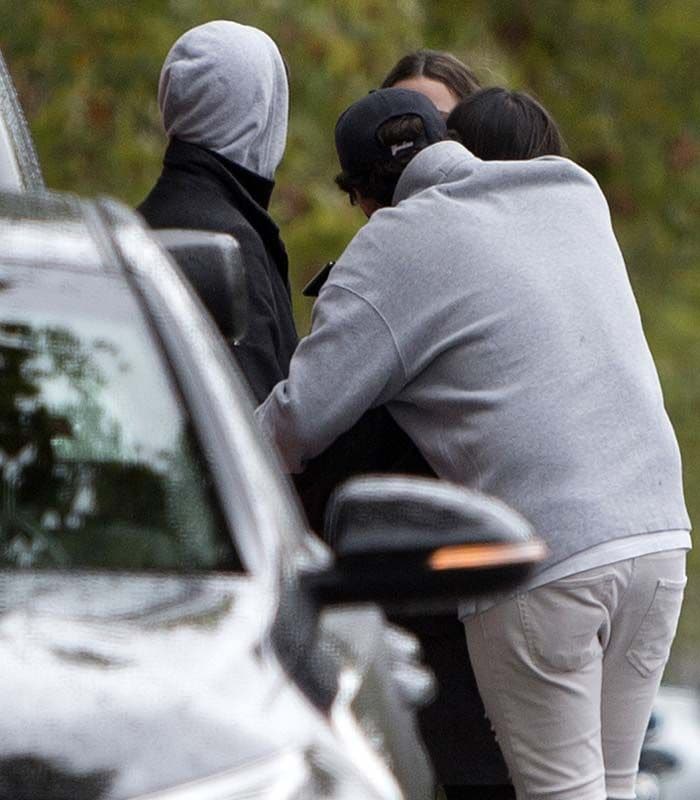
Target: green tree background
x=622, y=77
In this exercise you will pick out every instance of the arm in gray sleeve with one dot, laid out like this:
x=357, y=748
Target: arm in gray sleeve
x=347, y=364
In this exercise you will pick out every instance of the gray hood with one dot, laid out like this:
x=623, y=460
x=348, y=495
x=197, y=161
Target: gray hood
x=223, y=86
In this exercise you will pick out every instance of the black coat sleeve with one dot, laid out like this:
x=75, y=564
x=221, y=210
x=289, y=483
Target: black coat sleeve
x=265, y=349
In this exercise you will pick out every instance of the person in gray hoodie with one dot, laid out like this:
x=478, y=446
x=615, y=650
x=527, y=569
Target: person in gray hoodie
x=224, y=99
x=487, y=304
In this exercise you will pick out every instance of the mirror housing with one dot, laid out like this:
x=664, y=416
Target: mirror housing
x=213, y=265
x=419, y=545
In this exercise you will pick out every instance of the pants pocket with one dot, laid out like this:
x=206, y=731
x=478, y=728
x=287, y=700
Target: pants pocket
x=651, y=644
x=562, y=621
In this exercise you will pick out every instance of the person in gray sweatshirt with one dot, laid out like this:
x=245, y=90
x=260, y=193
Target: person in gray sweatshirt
x=487, y=304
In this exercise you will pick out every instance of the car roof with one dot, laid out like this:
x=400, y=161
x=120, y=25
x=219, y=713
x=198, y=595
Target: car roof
x=48, y=229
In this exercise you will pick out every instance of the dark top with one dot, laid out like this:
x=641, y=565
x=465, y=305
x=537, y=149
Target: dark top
x=201, y=190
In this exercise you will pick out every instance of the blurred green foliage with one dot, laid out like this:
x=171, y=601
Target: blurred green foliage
x=622, y=77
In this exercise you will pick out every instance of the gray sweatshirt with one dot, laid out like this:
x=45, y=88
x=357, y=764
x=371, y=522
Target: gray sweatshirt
x=490, y=308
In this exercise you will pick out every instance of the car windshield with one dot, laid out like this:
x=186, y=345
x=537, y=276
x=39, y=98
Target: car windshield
x=98, y=463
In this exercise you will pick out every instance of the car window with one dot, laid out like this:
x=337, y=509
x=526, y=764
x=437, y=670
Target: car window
x=98, y=464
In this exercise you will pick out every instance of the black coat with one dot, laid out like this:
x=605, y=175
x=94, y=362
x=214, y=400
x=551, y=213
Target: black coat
x=199, y=189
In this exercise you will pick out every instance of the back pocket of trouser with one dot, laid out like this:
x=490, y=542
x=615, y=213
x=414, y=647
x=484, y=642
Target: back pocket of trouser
x=651, y=645
x=561, y=621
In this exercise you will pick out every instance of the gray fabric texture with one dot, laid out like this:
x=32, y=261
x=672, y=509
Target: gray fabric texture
x=490, y=308
x=223, y=86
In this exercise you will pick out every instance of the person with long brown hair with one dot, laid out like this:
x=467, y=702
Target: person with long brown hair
x=440, y=76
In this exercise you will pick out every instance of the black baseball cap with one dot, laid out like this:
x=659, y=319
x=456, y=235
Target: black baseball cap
x=356, y=139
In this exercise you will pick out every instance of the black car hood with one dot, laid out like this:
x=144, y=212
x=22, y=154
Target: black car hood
x=118, y=685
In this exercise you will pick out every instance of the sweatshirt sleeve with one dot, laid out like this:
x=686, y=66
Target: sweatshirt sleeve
x=348, y=364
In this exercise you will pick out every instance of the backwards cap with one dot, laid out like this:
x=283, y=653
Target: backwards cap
x=356, y=139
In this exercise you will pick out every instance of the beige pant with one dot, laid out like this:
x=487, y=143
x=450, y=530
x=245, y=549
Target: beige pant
x=568, y=673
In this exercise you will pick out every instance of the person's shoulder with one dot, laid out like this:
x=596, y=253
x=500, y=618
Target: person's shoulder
x=573, y=175
x=543, y=173
x=560, y=167
x=183, y=200
x=371, y=263
x=381, y=235
x=182, y=195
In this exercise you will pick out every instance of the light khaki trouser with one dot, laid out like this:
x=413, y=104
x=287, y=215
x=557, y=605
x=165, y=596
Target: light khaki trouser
x=568, y=673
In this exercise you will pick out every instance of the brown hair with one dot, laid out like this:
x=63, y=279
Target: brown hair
x=438, y=66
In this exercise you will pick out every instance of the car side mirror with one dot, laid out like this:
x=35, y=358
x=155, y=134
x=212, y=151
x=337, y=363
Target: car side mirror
x=213, y=265
x=420, y=545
